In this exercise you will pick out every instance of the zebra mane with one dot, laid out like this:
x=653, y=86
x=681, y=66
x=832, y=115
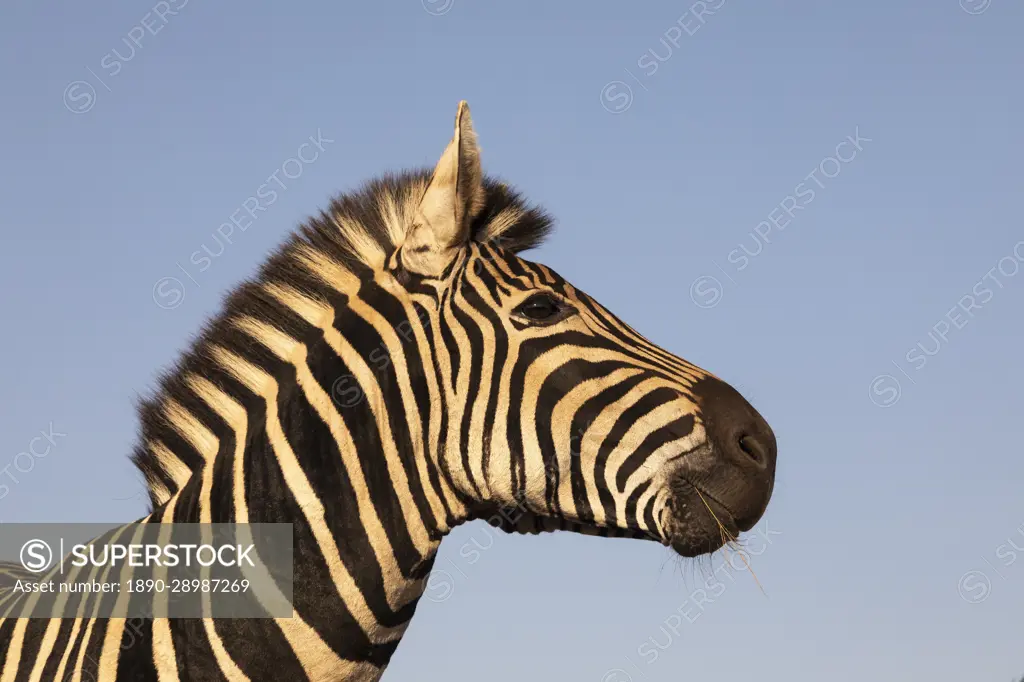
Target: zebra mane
x=357, y=232
x=362, y=228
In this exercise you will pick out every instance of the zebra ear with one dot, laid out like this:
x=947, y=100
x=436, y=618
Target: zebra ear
x=454, y=197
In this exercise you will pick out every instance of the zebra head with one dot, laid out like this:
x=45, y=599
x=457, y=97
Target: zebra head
x=559, y=415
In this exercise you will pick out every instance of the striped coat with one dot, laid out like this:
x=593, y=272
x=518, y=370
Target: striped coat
x=397, y=369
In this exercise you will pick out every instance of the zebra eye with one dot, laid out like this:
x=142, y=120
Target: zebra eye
x=541, y=307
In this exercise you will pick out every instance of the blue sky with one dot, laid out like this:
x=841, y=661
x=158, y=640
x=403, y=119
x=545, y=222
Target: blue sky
x=885, y=551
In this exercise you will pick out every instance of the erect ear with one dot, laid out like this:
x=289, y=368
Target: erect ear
x=452, y=200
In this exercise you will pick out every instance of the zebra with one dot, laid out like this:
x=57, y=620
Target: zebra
x=396, y=369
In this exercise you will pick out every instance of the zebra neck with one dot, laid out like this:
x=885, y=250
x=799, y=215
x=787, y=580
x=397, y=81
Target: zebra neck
x=335, y=427
x=351, y=481
x=355, y=479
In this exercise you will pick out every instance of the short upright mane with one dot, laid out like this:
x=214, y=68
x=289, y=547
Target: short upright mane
x=358, y=232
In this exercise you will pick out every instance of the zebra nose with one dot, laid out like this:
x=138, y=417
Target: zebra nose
x=755, y=450
x=757, y=444
x=735, y=428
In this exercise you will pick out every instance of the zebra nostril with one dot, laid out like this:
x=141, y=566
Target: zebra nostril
x=754, y=449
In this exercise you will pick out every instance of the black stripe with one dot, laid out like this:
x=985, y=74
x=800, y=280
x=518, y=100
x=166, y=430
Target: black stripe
x=629, y=416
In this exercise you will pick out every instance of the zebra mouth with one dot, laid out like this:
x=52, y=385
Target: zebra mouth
x=698, y=522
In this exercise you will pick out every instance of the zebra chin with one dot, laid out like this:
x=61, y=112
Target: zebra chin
x=698, y=523
x=706, y=511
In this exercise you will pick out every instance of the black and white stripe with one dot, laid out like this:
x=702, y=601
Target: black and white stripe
x=395, y=370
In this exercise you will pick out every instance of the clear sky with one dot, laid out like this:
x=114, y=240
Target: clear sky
x=665, y=144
